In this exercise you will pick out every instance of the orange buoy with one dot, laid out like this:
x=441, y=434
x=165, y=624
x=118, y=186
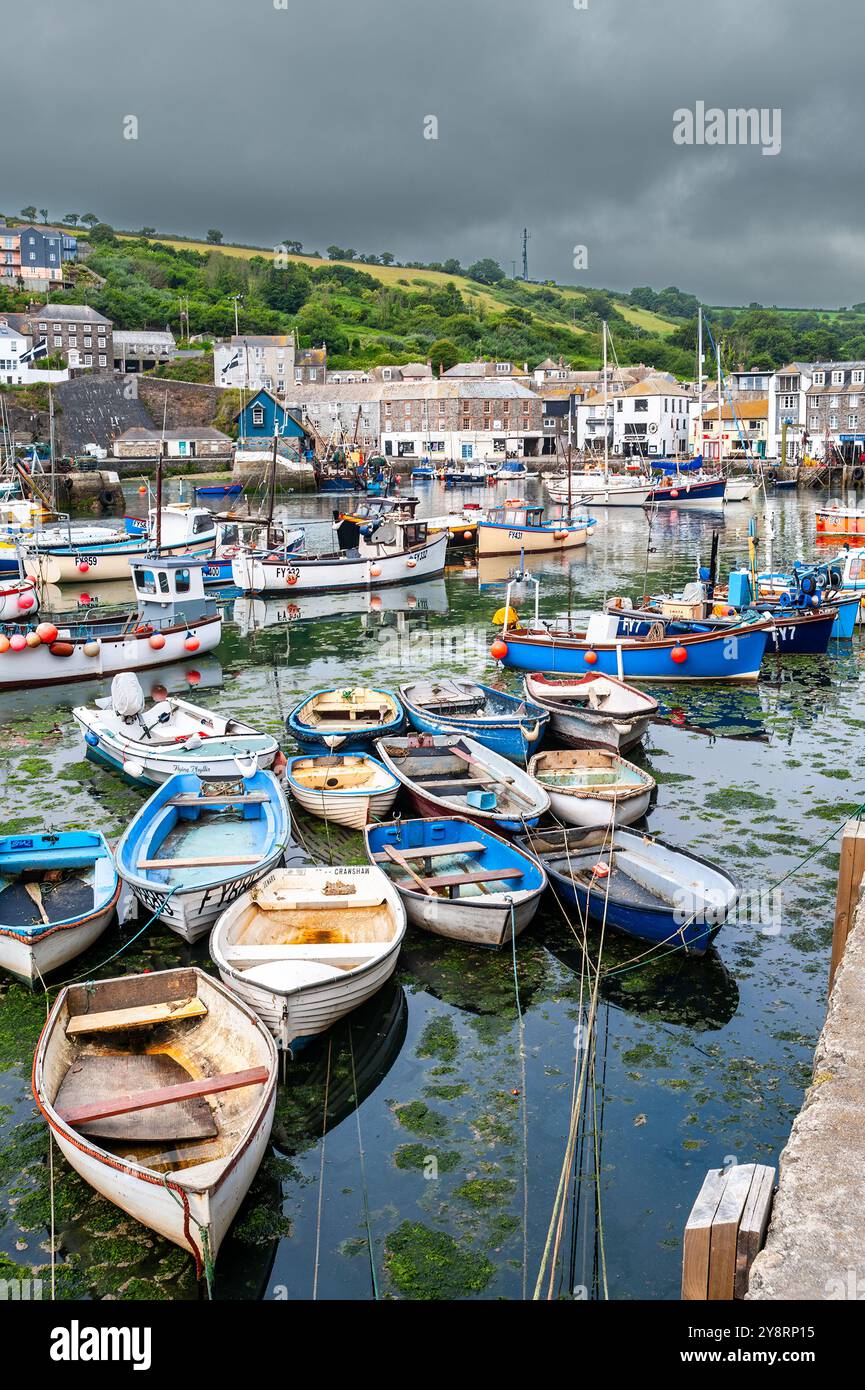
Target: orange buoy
x=192, y=644
x=678, y=654
x=590, y=658
x=47, y=632
x=375, y=571
x=156, y=641
x=499, y=650
x=5, y=644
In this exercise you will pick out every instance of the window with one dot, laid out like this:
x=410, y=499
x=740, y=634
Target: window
x=833, y=422
x=853, y=402
x=58, y=328
x=146, y=582
x=641, y=404
x=88, y=359
x=819, y=378
x=814, y=422
x=183, y=579
x=102, y=344
x=788, y=402
x=833, y=400
x=503, y=368
x=852, y=422
x=200, y=524
x=837, y=378
x=258, y=414
x=103, y=360
x=858, y=377
x=312, y=374
x=58, y=341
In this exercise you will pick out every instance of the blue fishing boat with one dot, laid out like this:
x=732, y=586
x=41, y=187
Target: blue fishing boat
x=839, y=583
x=696, y=656
x=638, y=885
x=508, y=724
x=792, y=632
x=197, y=844
x=424, y=472
x=344, y=718
x=58, y=892
x=219, y=490
x=458, y=880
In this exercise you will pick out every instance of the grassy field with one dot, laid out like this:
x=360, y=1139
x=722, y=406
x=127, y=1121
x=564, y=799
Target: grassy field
x=419, y=279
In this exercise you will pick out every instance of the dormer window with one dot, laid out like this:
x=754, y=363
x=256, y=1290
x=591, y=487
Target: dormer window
x=819, y=378
x=258, y=414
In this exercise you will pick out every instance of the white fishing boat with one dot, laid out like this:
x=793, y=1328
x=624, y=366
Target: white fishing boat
x=601, y=489
x=160, y=1091
x=368, y=557
x=58, y=892
x=458, y=880
x=151, y=745
x=174, y=619
x=593, y=788
x=182, y=530
x=196, y=845
x=306, y=946
x=349, y=788
x=592, y=711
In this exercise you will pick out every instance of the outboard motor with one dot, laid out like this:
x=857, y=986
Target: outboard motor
x=127, y=697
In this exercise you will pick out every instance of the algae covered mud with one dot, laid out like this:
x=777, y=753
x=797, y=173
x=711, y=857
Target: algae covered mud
x=418, y=1147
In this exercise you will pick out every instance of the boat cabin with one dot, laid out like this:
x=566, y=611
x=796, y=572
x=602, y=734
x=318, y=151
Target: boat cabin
x=391, y=534
x=181, y=524
x=515, y=518
x=171, y=590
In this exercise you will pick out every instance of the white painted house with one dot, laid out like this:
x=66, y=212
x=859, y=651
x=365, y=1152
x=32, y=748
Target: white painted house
x=17, y=366
x=652, y=418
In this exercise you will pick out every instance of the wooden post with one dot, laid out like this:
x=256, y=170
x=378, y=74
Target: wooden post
x=725, y=1231
x=850, y=872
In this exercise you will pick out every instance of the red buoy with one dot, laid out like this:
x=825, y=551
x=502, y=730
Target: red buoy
x=590, y=658
x=678, y=654
x=499, y=650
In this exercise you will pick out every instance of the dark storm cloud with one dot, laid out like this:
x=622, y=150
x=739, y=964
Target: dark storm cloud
x=307, y=122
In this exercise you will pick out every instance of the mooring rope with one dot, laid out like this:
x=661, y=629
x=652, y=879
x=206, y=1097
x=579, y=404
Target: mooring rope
x=363, y=1181
x=521, y=1026
x=321, y=1172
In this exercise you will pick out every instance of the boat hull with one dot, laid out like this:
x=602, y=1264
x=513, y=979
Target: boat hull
x=98, y=565
x=594, y=813
x=494, y=539
x=256, y=574
x=598, y=495
x=724, y=657
x=690, y=496
x=30, y=959
x=130, y=651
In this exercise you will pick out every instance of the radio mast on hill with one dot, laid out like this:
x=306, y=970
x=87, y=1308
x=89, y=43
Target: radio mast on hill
x=526, y=235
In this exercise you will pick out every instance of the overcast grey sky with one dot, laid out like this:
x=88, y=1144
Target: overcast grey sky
x=307, y=122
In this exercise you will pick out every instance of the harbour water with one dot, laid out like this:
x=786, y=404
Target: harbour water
x=417, y=1149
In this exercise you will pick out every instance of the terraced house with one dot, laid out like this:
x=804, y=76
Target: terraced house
x=835, y=410
x=73, y=331
x=35, y=256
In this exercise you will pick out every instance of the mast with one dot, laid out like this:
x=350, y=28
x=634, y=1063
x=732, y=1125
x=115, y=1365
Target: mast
x=271, y=494
x=51, y=444
x=720, y=421
x=606, y=413
x=159, y=478
x=700, y=376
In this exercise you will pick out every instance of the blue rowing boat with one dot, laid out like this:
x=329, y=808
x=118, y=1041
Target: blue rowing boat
x=197, y=844
x=219, y=490
x=636, y=884
x=344, y=718
x=508, y=724
x=457, y=879
x=58, y=892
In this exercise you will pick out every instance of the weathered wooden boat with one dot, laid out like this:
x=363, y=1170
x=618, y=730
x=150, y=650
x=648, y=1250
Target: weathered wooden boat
x=174, y=619
x=196, y=845
x=19, y=599
x=458, y=880
x=348, y=788
x=505, y=723
x=149, y=746
x=525, y=530
x=349, y=718
x=306, y=946
x=592, y=711
x=637, y=885
x=58, y=892
x=183, y=531
x=160, y=1091
x=447, y=775
x=369, y=557
x=697, y=656
x=593, y=787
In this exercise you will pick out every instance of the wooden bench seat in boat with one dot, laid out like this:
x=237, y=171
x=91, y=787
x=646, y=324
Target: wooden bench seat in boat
x=323, y=950
x=227, y=799
x=290, y=899
x=199, y=861
x=455, y=880
x=142, y=1016
x=434, y=851
x=135, y=1102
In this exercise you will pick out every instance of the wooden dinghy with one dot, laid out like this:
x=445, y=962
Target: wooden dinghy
x=505, y=723
x=306, y=946
x=196, y=845
x=592, y=787
x=638, y=885
x=149, y=746
x=58, y=892
x=592, y=711
x=349, y=718
x=349, y=788
x=459, y=880
x=448, y=775
x=160, y=1091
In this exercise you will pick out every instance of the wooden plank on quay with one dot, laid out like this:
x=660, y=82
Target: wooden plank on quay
x=698, y=1229
x=725, y=1231
x=850, y=873
x=752, y=1228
